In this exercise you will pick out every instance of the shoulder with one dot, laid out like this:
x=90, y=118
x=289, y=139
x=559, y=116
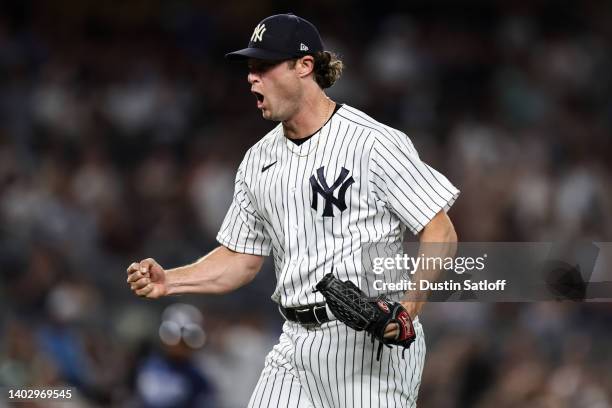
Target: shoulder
x=381, y=134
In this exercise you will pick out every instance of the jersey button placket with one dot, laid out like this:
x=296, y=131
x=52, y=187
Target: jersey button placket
x=293, y=231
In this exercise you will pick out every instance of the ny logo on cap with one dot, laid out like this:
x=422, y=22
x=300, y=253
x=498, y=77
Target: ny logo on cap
x=258, y=33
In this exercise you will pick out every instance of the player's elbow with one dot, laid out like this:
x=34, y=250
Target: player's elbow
x=223, y=288
x=239, y=270
x=439, y=229
x=450, y=234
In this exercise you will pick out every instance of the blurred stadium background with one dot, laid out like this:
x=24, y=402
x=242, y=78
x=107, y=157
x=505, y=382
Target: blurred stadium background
x=121, y=127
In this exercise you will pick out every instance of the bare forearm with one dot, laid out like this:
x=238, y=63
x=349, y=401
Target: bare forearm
x=221, y=271
x=437, y=240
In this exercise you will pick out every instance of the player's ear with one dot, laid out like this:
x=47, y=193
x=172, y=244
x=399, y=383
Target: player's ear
x=304, y=65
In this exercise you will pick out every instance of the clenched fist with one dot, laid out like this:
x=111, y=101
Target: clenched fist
x=147, y=279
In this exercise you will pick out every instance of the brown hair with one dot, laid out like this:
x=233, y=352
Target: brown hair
x=327, y=68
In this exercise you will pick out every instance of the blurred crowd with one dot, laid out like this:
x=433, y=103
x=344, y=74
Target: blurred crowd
x=121, y=128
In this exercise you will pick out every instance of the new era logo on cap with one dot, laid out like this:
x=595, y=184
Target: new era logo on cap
x=286, y=36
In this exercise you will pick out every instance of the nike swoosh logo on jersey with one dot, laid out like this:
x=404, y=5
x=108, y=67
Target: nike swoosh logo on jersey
x=264, y=168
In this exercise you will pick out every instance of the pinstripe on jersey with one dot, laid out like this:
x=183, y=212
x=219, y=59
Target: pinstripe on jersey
x=272, y=209
x=335, y=366
x=322, y=205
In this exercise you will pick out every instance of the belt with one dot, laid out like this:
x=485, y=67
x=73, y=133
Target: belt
x=314, y=315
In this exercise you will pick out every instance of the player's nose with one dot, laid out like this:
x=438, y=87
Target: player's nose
x=252, y=77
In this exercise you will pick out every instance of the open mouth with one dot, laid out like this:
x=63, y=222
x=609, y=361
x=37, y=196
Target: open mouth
x=260, y=97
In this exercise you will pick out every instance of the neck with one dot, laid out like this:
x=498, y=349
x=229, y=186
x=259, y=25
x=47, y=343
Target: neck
x=311, y=116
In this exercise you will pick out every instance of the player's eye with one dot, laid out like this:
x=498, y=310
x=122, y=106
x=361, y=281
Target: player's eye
x=260, y=66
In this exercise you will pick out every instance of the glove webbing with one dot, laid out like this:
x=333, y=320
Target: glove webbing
x=347, y=314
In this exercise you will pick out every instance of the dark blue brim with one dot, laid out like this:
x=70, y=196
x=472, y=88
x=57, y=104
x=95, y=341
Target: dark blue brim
x=258, y=53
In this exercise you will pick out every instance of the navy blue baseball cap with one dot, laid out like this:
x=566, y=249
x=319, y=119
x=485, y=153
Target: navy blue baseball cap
x=279, y=37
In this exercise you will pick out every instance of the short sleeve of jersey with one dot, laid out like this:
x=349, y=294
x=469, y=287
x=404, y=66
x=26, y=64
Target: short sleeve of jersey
x=411, y=189
x=243, y=229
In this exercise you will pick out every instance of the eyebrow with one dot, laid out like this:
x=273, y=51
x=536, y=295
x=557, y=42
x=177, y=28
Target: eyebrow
x=262, y=65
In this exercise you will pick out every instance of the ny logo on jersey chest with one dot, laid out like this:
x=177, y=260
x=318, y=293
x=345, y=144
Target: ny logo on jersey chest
x=320, y=187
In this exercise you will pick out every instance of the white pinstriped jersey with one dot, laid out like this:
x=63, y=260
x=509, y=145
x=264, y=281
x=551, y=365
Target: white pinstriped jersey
x=315, y=205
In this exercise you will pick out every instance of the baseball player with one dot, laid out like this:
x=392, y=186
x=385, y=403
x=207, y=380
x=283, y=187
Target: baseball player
x=326, y=181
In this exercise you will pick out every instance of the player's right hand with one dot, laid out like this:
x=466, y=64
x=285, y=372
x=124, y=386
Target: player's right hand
x=147, y=279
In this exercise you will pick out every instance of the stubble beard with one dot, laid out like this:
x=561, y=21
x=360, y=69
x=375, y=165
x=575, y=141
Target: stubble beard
x=278, y=116
x=287, y=106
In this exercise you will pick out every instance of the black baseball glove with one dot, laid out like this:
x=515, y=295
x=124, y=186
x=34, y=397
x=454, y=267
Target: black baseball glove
x=352, y=307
